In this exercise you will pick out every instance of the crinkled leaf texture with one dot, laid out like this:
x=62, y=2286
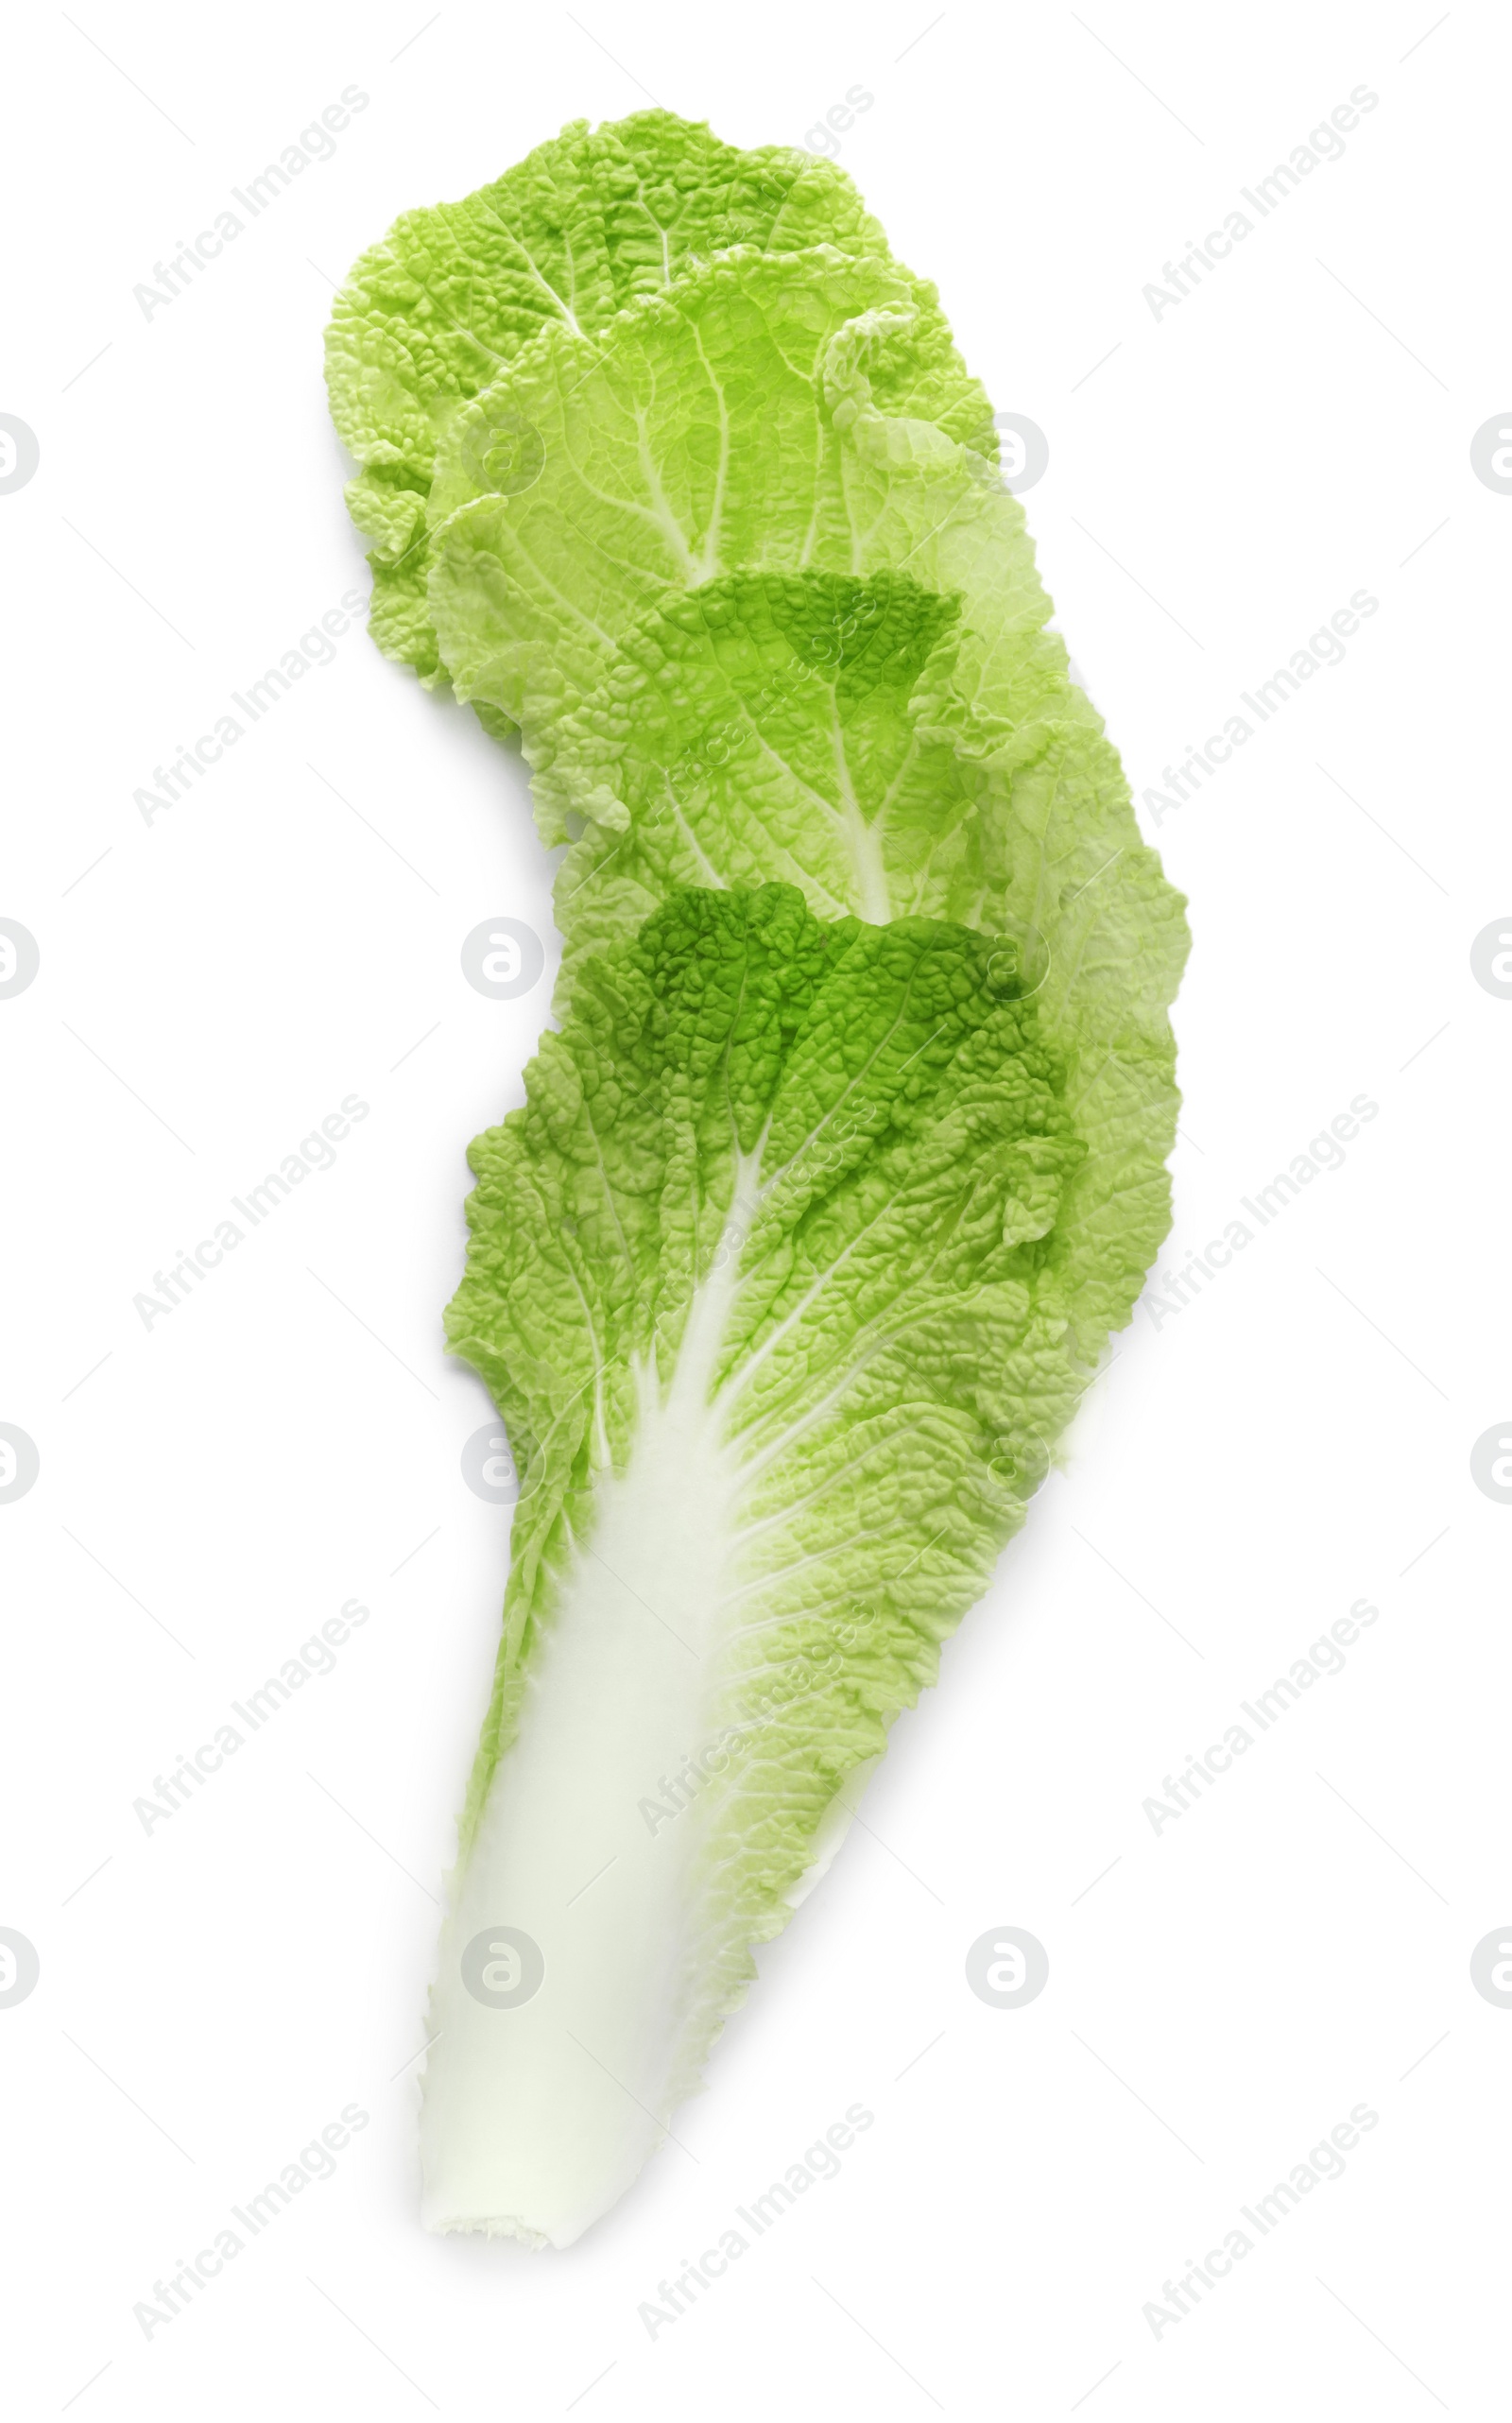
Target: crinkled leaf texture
x=848, y=1156
x=730, y=451
x=767, y=411
x=767, y=726
x=569, y=236
x=765, y=1281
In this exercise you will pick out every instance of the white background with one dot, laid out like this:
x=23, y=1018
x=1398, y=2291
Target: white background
x=211, y=1490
